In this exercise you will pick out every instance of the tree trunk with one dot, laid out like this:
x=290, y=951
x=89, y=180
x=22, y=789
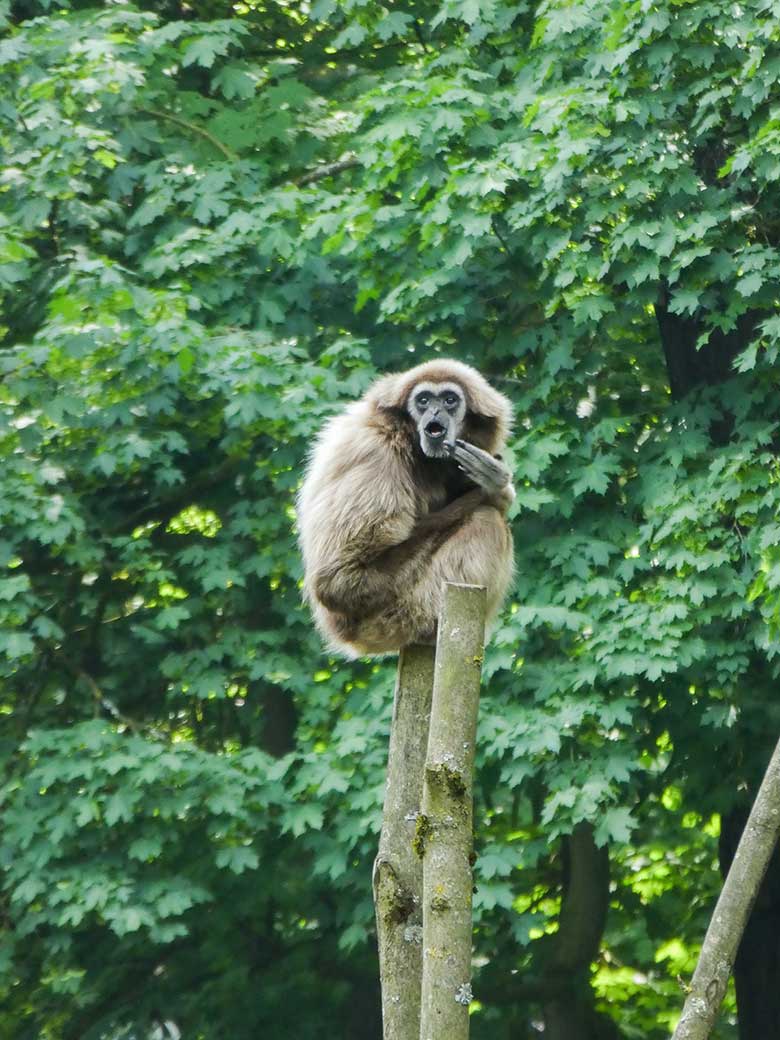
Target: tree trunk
x=397, y=869
x=569, y=1013
x=445, y=831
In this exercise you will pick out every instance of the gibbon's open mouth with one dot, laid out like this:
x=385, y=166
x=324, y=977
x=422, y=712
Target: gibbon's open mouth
x=435, y=430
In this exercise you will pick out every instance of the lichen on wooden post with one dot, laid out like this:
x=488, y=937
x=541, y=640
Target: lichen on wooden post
x=397, y=869
x=445, y=830
x=727, y=925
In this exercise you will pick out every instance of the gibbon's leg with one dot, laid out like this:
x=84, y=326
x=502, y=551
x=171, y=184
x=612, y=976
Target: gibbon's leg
x=478, y=552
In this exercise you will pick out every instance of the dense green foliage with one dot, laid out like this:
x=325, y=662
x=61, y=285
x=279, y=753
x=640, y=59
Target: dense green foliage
x=217, y=223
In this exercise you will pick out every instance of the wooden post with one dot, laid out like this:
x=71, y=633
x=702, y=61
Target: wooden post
x=445, y=828
x=739, y=891
x=398, y=869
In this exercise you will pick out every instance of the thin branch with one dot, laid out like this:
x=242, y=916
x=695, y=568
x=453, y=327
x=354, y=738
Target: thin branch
x=327, y=170
x=193, y=127
x=732, y=910
x=12, y=371
x=419, y=34
x=499, y=236
x=100, y=700
x=164, y=509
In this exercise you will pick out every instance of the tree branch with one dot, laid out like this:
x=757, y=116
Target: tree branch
x=327, y=170
x=162, y=510
x=732, y=910
x=193, y=127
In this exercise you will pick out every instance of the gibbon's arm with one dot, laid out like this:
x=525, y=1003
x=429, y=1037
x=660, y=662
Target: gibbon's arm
x=363, y=575
x=430, y=532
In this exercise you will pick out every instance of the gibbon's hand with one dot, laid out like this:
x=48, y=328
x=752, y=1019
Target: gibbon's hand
x=487, y=472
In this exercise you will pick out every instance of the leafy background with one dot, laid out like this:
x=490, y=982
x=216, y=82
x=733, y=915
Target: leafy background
x=217, y=223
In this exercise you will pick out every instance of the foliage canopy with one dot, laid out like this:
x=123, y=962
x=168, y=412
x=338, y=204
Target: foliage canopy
x=216, y=223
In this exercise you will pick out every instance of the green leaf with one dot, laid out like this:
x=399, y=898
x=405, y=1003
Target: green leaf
x=615, y=825
x=235, y=81
x=203, y=50
x=238, y=859
x=302, y=818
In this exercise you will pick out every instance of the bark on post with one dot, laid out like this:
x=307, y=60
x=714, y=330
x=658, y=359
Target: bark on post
x=445, y=828
x=397, y=869
x=733, y=908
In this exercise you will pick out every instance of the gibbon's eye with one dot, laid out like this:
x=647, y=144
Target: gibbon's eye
x=422, y=400
x=451, y=400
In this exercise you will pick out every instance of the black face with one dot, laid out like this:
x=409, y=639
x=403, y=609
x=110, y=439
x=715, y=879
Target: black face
x=439, y=411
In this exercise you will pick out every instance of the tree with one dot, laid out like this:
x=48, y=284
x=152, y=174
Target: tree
x=214, y=225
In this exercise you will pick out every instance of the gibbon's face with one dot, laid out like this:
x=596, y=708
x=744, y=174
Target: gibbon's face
x=439, y=412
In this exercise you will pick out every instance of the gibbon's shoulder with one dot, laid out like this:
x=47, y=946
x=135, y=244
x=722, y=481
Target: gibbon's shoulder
x=361, y=431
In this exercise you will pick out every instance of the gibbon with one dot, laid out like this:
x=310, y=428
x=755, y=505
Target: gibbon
x=403, y=491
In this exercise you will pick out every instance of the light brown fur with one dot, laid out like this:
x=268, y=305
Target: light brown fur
x=381, y=526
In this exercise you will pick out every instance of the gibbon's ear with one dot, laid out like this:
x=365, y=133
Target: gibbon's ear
x=390, y=393
x=488, y=409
